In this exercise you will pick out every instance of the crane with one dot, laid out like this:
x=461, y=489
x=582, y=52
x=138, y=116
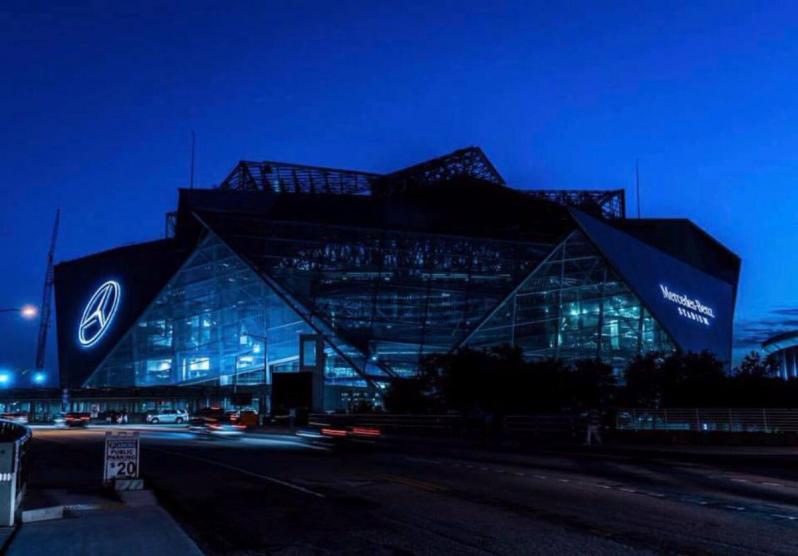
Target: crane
x=47, y=294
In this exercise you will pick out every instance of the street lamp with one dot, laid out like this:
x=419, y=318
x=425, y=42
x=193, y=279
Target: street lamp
x=26, y=311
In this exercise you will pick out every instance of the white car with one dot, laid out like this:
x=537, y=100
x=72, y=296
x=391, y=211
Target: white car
x=168, y=416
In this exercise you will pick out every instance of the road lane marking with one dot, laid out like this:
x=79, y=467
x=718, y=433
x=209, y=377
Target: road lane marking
x=423, y=460
x=423, y=485
x=243, y=471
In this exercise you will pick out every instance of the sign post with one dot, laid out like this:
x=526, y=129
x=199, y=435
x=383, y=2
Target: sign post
x=121, y=466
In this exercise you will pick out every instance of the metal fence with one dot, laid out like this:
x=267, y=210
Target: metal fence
x=14, y=443
x=564, y=425
x=709, y=419
x=389, y=422
x=544, y=424
x=456, y=425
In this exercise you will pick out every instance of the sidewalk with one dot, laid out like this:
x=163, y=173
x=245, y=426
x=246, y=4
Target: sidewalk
x=133, y=526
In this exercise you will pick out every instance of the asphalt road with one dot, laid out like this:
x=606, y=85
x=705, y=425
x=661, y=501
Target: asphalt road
x=271, y=494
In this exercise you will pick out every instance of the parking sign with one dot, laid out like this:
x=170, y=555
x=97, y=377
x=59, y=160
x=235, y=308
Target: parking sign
x=121, y=456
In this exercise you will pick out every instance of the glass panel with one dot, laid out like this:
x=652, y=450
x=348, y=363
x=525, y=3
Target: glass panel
x=385, y=298
x=574, y=307
x=309, y=352
x=216, y=320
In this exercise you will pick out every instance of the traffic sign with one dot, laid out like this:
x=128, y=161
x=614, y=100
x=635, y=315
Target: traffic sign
x=121, y=456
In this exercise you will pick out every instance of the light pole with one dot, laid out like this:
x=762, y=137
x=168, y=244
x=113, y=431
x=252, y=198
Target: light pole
x=26, y=311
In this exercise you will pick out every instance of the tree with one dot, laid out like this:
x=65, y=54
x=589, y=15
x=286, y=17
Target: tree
x=645, y=380
x=591, y=383
x=676, y=380
x=753, y=365
x=408, y=395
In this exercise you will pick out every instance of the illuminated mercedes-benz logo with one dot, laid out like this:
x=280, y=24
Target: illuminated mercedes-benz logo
x=99, y=313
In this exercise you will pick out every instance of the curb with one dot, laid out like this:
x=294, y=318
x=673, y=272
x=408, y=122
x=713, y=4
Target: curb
x=61, y=511
x=9, y=539
x=42, y=514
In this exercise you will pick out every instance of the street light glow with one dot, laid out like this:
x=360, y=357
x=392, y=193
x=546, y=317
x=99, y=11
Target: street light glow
x=39, y=377
x=29, y=311
x=5, y=378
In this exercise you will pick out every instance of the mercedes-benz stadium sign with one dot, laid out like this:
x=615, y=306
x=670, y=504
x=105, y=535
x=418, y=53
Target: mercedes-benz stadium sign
x=99, y=313
x=689, y=307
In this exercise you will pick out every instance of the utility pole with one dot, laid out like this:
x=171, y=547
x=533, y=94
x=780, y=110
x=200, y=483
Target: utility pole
x=47, y=294
x=193, y=151
x=637, y=185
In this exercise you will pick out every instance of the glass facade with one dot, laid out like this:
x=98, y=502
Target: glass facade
x=573, y=306
x=393, y=296
x=216, y=320
x=380, y=300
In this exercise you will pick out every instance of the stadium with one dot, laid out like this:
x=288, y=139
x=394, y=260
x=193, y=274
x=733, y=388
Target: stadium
x=784, y=349
x=289, y=278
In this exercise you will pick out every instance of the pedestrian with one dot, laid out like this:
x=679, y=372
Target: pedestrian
x=593, y=427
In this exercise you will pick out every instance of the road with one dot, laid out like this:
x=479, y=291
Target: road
x=271, y=494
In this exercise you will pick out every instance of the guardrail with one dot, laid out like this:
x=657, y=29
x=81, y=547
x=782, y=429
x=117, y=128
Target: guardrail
x=391, y=422
x=454, y=425
x=545, y=424
x=709, y=420
x=14, y=443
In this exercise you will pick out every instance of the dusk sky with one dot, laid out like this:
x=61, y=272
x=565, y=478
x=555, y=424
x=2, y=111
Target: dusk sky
x=98, y=101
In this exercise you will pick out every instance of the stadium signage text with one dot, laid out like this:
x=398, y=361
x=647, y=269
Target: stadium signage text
x=98, y=313
x=689, y=307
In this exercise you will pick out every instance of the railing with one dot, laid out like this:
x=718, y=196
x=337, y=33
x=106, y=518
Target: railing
x=391, y=422
x=709, y=419
x=14, y=441
x=750, y=420
x=561, y=425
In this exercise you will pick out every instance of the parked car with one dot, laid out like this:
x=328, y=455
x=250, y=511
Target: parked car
x=168, y=416
x=77, y=419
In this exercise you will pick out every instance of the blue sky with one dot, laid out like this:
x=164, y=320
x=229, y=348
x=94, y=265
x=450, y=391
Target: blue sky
x=98, y=101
